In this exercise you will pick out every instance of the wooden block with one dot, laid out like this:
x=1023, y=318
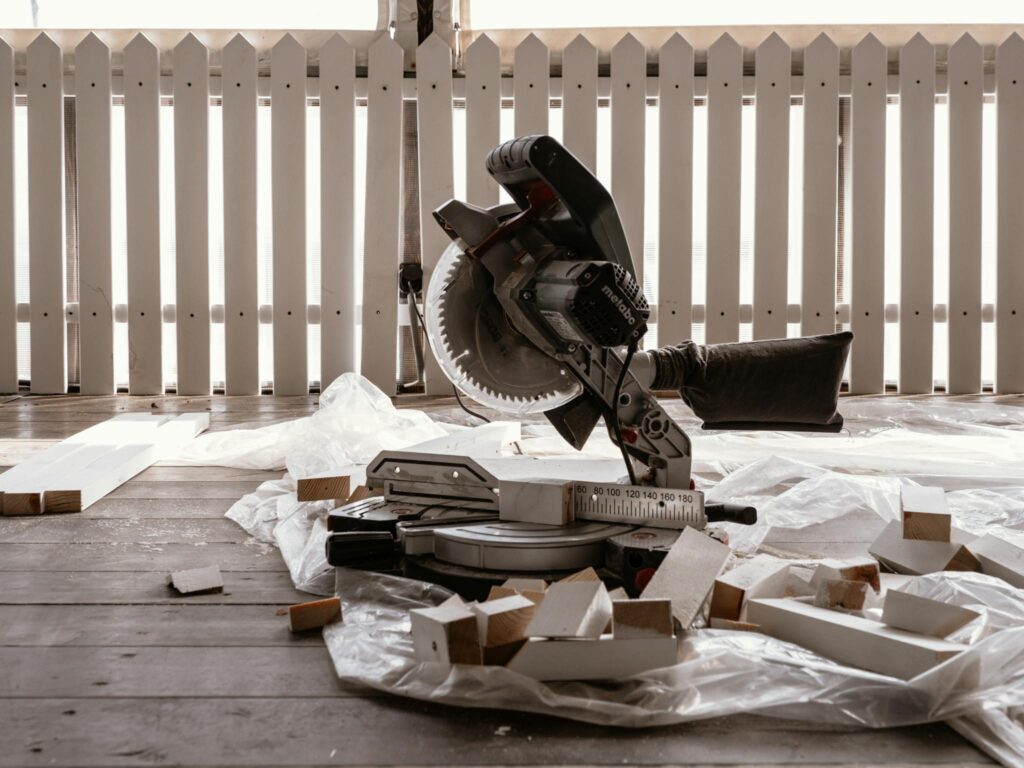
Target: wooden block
x=642, y=618
x=572, y=609
x=840, y=593
x=735, y=626
x=504, y=621
x=19, y=504
x=618, y=594
x=999, y=557
x=687, y=574
x=587, y=574
x=762, y=576
x=323, y=487
x=851, y=639
x=361, y=492
x=605, y=658
x=920, y=557
x=197, y=580
x=447, y=634
x=532, y=589
x=924, y=616
x=316, y=613
x=853, y=569
x=925, y=513
x=548, y=502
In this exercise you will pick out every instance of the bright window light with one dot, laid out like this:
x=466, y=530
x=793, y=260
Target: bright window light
x=189, y=14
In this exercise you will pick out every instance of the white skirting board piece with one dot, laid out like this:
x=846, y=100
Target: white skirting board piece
x=918, y=557
x=762, y=576
x=853, y=569
x=572, y=609
x=914, y=613
x=850, y=639
x=1001, y=558
x=687, y=574
x=606, y=658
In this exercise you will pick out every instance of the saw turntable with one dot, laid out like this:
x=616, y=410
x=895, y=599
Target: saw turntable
x=535, y=308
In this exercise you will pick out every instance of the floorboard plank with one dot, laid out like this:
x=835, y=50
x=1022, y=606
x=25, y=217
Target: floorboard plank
x=250, y=557
x=141, y=489
x=139, y=625
x=388, y=731
x=112, y=588
x=158, y=509
x=73, y=529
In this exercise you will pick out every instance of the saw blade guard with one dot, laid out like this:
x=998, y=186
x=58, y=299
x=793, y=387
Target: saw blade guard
x=477, y=348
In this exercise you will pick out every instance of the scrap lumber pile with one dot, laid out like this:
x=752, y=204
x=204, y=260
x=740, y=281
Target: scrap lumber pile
x=569, y=630
x=78, y=471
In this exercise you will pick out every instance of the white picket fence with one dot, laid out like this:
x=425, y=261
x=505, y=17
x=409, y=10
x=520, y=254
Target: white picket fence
x=684, y=83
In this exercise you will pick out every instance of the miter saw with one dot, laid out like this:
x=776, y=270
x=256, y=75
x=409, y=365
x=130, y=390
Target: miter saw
x=535, y=308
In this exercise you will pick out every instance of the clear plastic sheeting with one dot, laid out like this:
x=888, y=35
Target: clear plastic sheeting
x=976, y=450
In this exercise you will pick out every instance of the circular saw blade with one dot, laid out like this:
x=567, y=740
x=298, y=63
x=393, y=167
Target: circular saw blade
x=480, y=351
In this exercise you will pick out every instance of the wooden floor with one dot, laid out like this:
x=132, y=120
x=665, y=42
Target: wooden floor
x=100, y=664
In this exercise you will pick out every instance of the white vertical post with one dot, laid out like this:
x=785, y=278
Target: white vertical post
x=1010, y=216
x=821, y=158
x=867, y=269
x=483, y=118
x=531, y=78
x=771, y=178
x=725, y=91
x=965, y=78
x=436, y=182
x=142, y=187
x=337, y=210
x=46, y=215
x=383, y=200
x=241, y=302
x=192, y=228
x=288, y=178
x=579, y=101
x=629, y=107
x=917, y=174
x=8, y=307
x=675, y=190
x=92, y=134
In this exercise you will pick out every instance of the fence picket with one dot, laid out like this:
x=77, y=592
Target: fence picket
x=629, y=108
x=579, y=100
x=530, y=86
x=8, y=298
x=483, y=118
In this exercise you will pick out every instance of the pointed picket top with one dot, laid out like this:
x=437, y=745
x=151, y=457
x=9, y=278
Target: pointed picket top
x=917, y=44
x=481, y=49
x=5, y=49
x=239, y=46
x=580, y=46
x=384, y=45
x=287, y=45
x=43, y=43
x=1011, y=47
x=965, y=45
x=337, y=48
x=434, y=50
x=773, y=42
x=675, y=48
x=821, y=46
x=139, y=45
x=91, y=43
x=531, y=47
x=628, y=45
x=724, y=45
x=190, y=44
x=869, y=45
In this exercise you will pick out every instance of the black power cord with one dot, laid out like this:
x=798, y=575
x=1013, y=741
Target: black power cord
x=616, y=425
x=412, y=299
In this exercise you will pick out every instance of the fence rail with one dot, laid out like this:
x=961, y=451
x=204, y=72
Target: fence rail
x=846, y=95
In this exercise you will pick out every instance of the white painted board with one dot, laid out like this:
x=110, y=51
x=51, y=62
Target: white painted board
x=530, y=86
x=483, y=118
x=579, y=100
x=629, y=110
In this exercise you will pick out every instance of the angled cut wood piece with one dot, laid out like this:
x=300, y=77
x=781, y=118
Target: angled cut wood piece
x=851, y=639
x=314, y=614
x=503, y=621
x=606, y=658
x=918, y=557
x=328, y=486
x=572, y=609
x=914, y=613
x=999, y=557
x=925, y=513
x=197, y=581
x=448, y=634
x=687, y=574
x=853, y=569
x=840, y=593
x=763, y=576
x=642, y=618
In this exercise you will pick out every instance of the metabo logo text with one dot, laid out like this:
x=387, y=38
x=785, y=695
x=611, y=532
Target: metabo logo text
x=619, y=304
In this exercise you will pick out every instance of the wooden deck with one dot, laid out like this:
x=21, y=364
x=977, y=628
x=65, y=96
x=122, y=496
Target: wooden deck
x=100, y=664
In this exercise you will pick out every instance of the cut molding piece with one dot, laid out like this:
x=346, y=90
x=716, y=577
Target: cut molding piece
x=999, y=557
x=323, y=487
x=447, y=634
x=687, y=574
x=642, y=618
x=531, y=589
x=763, y=576
x=840, y=593
x=548, y=502
x=197, y=581
x=854, y=569
x=924, y=616
x=850, y=639
x=735, y=626
x=920, y=557
x=503, y=621
x=606, y=658
x=572, y=609
x=587, y=574
x=925, y=513
x=317, y=613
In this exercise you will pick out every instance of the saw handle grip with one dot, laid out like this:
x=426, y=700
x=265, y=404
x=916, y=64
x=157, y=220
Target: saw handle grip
x=730, y=513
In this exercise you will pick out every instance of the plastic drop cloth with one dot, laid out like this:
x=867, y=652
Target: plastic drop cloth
x=795, y=481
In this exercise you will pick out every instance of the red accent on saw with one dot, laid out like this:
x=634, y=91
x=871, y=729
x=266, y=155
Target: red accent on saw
x=539, y=197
